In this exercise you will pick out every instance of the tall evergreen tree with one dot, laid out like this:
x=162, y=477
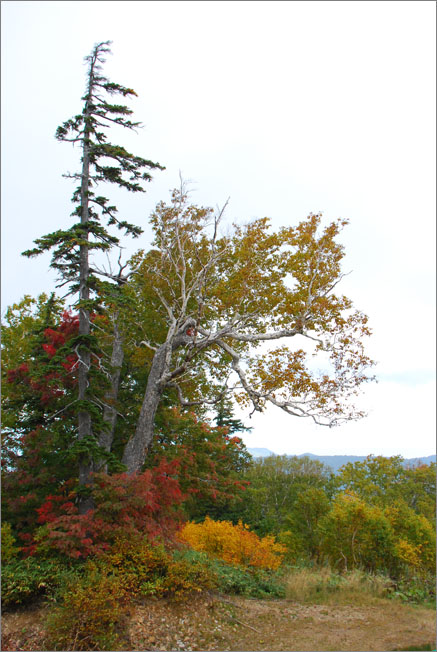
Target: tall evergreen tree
x=104, y=162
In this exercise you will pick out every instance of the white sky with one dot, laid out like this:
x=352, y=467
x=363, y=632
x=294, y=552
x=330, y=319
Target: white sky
x=286, y=107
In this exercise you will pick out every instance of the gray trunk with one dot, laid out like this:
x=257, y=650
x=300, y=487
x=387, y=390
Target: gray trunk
x=110, y=410
x=136, y=448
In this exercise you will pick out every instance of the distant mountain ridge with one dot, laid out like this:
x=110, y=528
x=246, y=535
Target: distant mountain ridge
x=336, y=461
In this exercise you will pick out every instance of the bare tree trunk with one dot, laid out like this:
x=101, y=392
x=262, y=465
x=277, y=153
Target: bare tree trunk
x=84, y=417
x=110, y=411
x=136, y=448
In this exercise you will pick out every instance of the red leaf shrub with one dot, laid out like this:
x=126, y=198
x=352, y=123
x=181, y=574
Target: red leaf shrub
x=143, y=503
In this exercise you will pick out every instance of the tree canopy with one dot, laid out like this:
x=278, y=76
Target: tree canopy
x=215, y=299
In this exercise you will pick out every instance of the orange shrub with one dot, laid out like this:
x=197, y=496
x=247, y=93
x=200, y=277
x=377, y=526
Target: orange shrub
x=234, y=544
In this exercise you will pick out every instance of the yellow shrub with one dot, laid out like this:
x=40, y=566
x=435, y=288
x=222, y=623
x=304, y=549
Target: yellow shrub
x=9, y=550
x=234, y=544
x=408, y=553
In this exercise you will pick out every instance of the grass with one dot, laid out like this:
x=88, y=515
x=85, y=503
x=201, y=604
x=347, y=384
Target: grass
x=323, y=586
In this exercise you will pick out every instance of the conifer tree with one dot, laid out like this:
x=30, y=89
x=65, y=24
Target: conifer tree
x=225, y=417
x=102, y=162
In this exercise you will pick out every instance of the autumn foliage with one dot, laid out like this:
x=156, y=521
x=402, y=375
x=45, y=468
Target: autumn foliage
x=143, y=504
x=210, y=462
x=234, y=544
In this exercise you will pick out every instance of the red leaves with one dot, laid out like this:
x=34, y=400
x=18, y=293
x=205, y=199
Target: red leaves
x=55, y=337
x=69, y=324
x=71, y=361
x=144, y=503
x=209, y=460
x=17, y=374
x=52, y=508
x=51, y=384
x=49, y=349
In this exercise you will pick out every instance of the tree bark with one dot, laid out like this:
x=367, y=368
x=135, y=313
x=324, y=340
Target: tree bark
x=136, y=448
x=110, y=411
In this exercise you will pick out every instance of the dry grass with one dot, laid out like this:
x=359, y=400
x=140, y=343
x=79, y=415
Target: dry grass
x=322, y=586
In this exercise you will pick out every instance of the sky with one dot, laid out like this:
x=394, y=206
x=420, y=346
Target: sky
x=285, y=108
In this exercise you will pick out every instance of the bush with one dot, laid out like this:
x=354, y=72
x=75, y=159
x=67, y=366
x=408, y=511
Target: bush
x=234, y=544
x=9, y=550
x=144, y=503
x=25, y=580
x=255, y=583
x=184, y=578
x=92, y=610
x=231, y=579
x=416, y=588
x=144, y=569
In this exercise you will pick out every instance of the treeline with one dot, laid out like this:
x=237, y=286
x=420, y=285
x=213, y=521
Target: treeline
x=375, y=515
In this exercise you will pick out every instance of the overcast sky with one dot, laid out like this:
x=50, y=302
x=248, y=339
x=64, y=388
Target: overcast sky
x=286, y=108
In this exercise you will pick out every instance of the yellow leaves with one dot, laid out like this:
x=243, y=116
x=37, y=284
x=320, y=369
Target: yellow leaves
x=234, y=544
x=8, y=548
x=409, y=554
x=250, y=285
x=281, y=370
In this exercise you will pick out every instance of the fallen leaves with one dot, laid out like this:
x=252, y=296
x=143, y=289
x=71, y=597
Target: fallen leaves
x=211, y=623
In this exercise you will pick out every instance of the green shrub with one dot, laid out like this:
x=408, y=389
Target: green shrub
x=25, y=580
x=417, y=648
x=256, y=583
x=416, y=589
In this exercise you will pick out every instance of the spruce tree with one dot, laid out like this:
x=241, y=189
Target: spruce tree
x=101, y=162
x=225, y=418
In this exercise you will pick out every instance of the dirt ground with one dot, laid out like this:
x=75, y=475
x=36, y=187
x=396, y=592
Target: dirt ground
x=234, y=623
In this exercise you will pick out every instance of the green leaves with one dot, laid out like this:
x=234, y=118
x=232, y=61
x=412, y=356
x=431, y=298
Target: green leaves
x=112, y=88
x=24, y=581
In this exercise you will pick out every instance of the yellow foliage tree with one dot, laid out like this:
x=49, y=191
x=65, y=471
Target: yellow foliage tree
x=217, y=297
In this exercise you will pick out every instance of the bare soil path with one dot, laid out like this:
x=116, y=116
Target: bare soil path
x=245, y=624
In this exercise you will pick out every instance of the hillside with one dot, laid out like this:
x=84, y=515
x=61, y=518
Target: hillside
x=337, y=461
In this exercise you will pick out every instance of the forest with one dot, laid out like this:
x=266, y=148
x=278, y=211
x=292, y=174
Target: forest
x=125, y=479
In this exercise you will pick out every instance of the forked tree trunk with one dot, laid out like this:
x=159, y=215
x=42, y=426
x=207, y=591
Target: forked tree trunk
x=136, y=448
